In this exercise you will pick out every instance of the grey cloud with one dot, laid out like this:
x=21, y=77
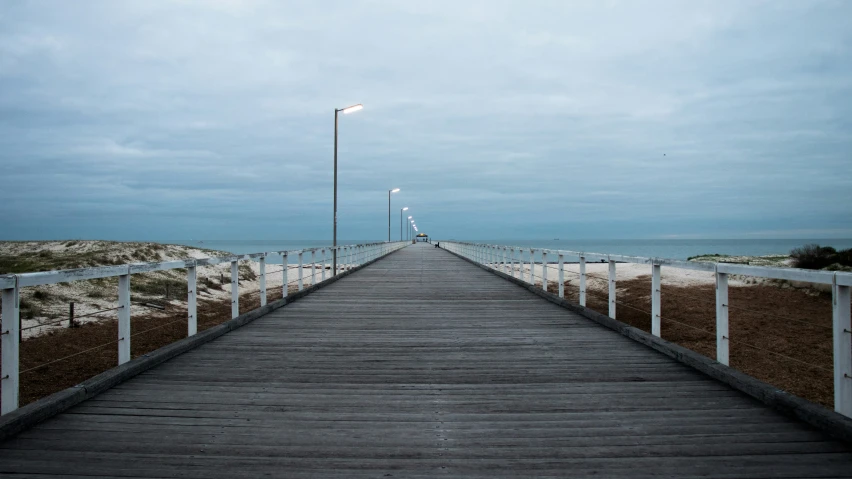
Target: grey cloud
x=663, y=117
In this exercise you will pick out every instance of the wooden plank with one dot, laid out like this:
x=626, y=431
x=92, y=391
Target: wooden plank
x=422, y=365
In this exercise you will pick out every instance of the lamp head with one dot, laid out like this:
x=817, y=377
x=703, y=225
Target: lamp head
x=352, y=109
x=395, y=190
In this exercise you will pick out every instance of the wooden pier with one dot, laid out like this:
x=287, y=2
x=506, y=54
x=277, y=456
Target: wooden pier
x=422, y=365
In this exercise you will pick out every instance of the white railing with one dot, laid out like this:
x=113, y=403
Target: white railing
x=348, y=256
x=511, y=260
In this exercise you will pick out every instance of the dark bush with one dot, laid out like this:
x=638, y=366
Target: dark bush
x=814, y=256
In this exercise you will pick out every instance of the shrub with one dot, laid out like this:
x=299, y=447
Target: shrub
x=814, y=256
x=41, y=295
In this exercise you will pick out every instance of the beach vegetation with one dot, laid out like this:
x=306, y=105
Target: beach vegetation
x=814, y=256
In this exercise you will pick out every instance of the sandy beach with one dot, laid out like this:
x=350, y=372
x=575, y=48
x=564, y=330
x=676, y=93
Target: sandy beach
x=46, y=308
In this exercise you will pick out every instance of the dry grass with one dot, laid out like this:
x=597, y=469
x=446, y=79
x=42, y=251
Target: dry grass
x=91, y=348
x=778, y=335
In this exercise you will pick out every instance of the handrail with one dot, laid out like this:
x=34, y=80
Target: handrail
x=11, y=284
x=503, y=258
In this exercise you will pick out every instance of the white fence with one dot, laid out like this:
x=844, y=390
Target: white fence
x=348, y=256
x=512, y=260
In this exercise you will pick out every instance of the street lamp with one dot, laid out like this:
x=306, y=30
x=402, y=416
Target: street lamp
x=408, y=229
x=346, y=111
x=400, y=221
x=395, y=190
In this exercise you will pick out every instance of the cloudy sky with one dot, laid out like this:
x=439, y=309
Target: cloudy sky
x=498, y=119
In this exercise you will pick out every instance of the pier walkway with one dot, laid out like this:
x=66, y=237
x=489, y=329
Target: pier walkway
x=422, y=365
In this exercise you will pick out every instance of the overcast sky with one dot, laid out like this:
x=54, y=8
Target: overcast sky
x=497, y=119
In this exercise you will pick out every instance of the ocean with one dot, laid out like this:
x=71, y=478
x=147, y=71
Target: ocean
x=663, y=248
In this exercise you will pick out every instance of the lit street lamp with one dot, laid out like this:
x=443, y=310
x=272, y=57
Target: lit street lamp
x=395, y=190
x=400, y=221
x=346, y=111
x=408, y=229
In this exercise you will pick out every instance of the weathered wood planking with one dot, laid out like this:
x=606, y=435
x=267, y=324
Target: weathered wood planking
x=422, y=365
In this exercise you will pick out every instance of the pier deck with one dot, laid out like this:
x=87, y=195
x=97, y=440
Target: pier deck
x=422, y=365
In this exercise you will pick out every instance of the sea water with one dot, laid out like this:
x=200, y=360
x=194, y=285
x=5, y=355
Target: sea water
x=662, y=248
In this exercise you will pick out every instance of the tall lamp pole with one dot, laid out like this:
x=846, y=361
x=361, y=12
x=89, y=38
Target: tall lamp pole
x=347, y=110
x=400, y=221
x=395, y=190
x=408, y=229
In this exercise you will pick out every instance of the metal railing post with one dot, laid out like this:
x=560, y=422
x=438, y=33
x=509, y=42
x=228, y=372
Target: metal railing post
x=842, y=326
x=262, y=262
x=722, y=337
x=123, y=319
x=301, y=279
x=544, y=270
x=191, y=300
x=655, y=300
x=10, y=349
x=561, y=276
x=611, y=277
x=583, y=281
x=235, y=289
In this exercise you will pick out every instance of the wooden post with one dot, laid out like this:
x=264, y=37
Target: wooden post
x=322, y=276
x=544, y=270
x=561, y=276
x=655, y=300
x=123, y=319
x=722, y=347
x=612, y=289
x=532, y=266
x=10, y=345
x=262, y=264
x=583, y=281
x=235, y=290
x=191, y=301
x=313, y=266
x=286, y=273
x=71, y=315
x=842, y=326
x=301, y=281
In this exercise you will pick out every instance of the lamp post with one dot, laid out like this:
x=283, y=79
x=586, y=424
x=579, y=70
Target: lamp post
x=346, y=111
x=400, y=221
x=395, y=190
x=408, y=229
